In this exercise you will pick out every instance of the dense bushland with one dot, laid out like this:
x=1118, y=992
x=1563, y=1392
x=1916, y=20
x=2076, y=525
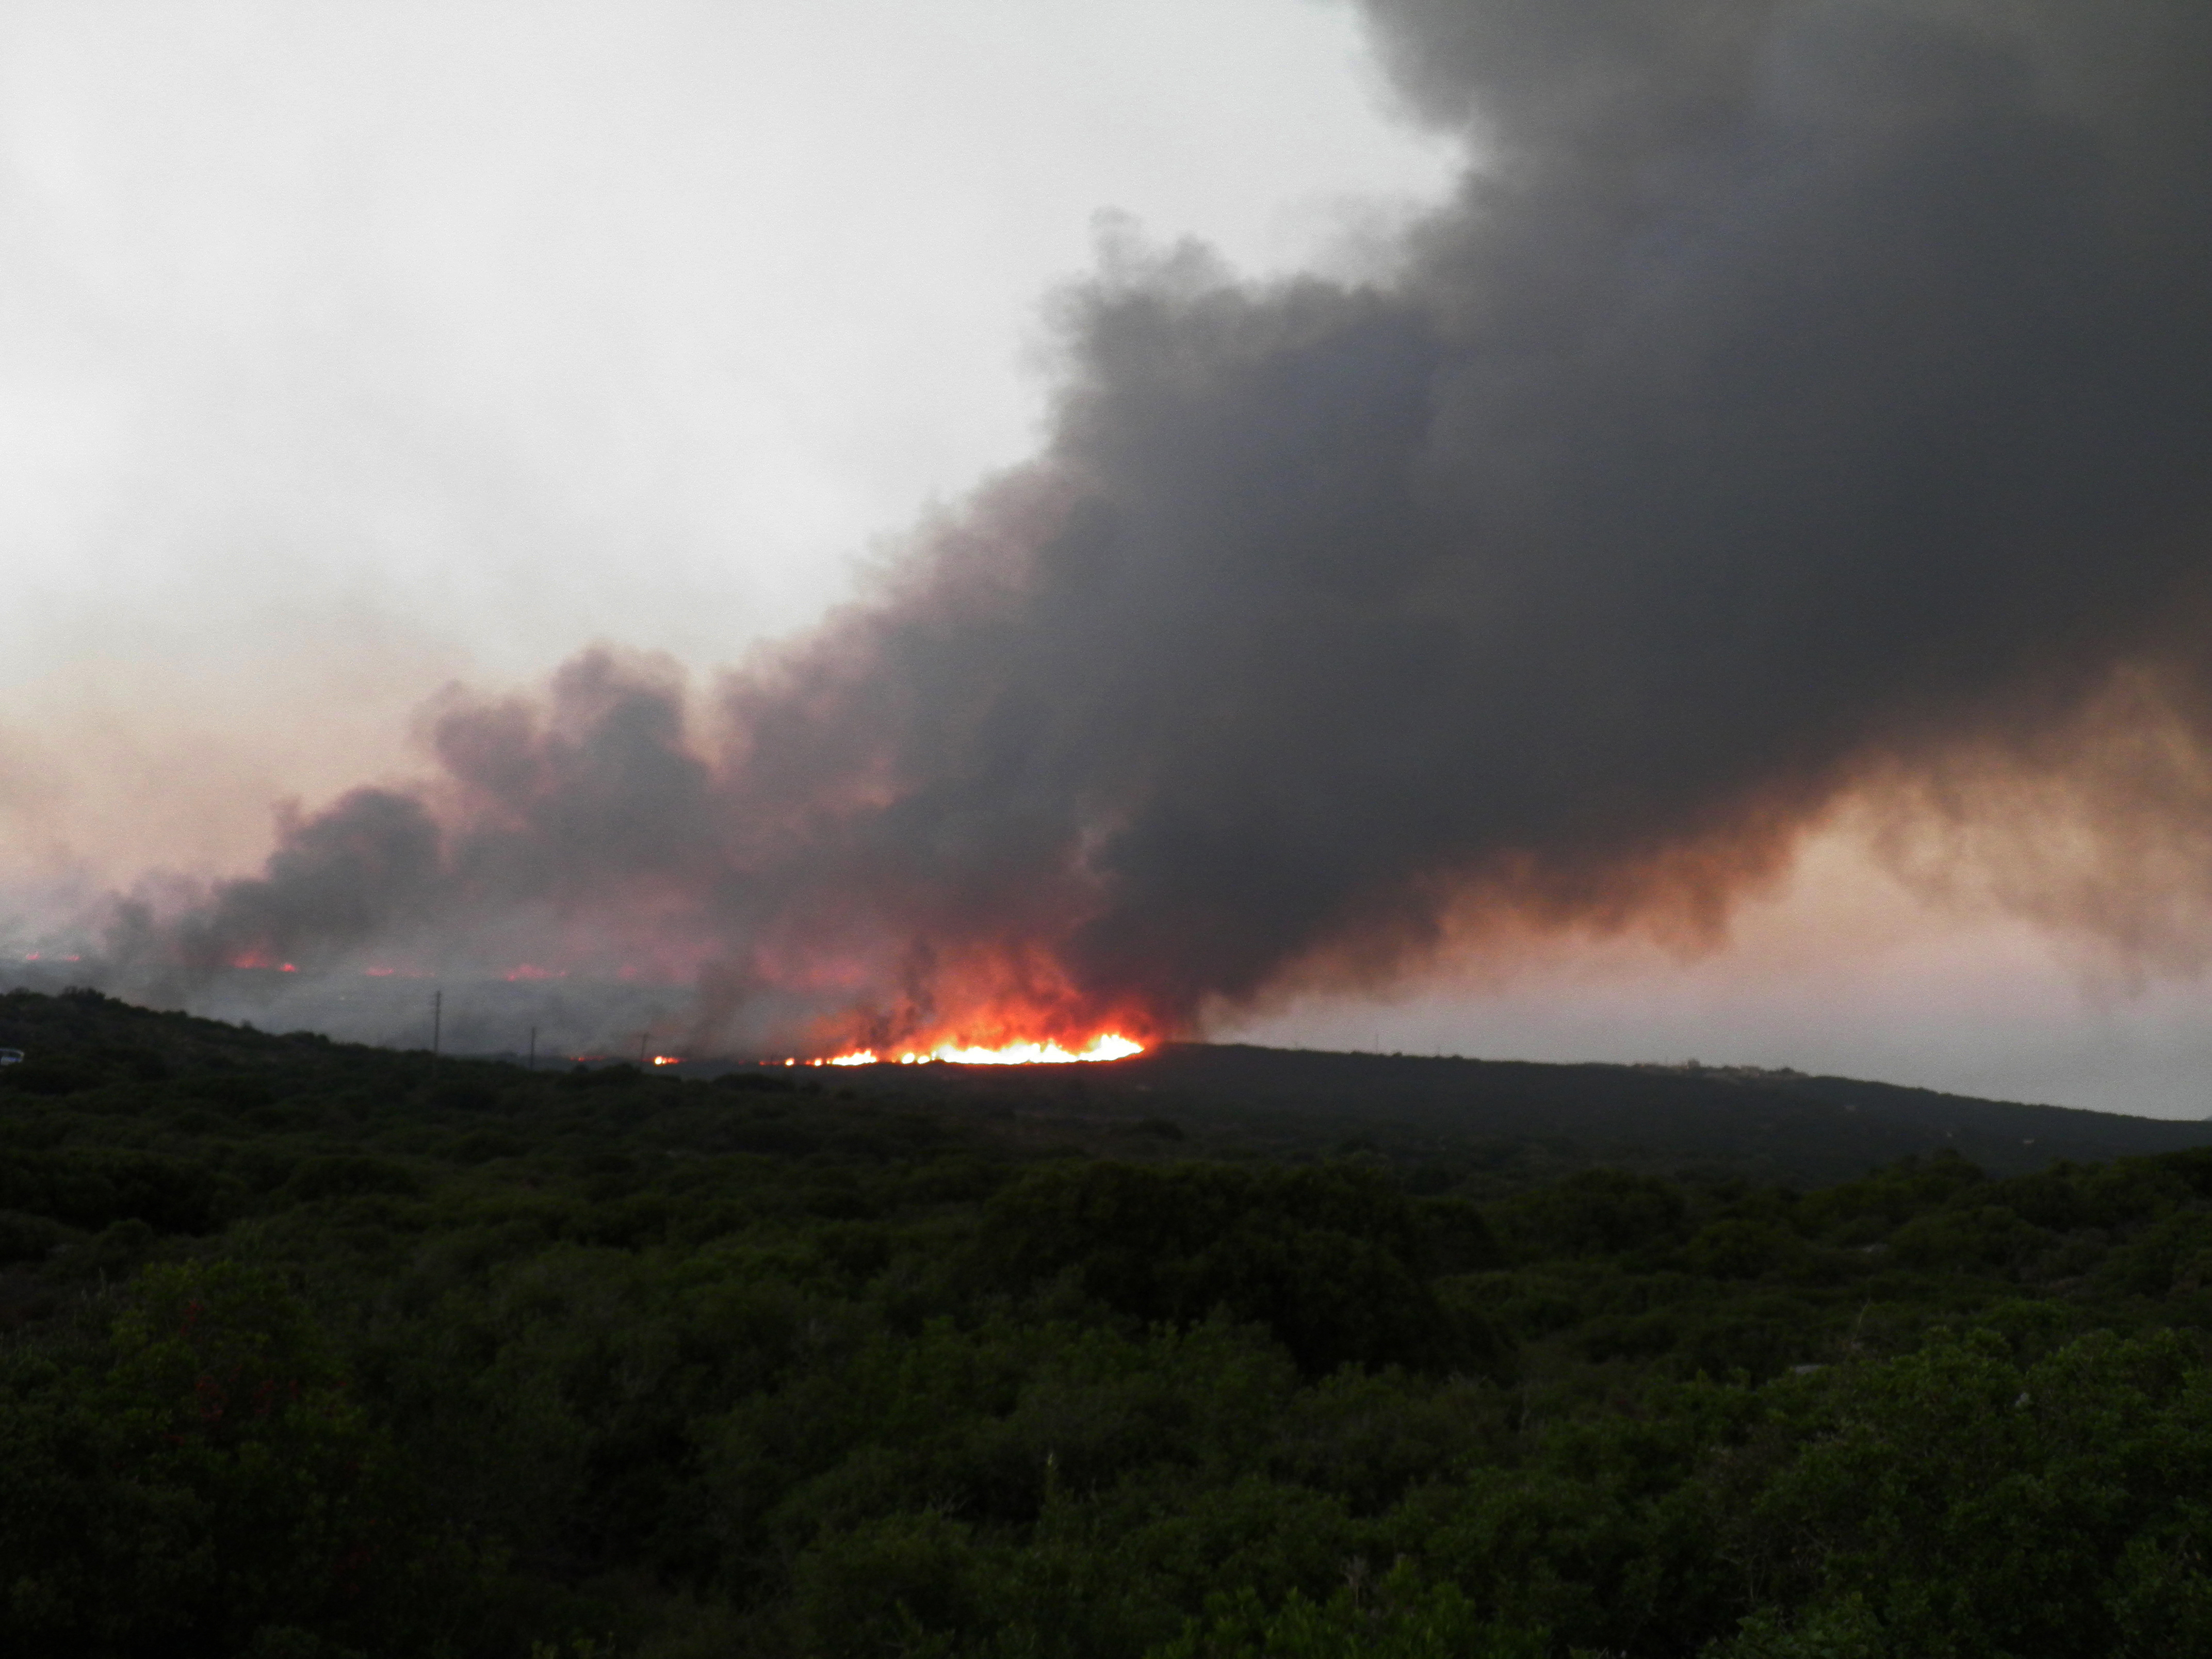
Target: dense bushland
x=313, y=1350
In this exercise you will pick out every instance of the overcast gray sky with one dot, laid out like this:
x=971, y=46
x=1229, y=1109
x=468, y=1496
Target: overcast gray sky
x=343, y=349
x=519, y=322
x=346, y=350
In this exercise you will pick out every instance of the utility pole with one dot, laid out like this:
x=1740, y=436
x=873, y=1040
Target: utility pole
x=643, y=1038
x=533, y=1050
x=437, y=1026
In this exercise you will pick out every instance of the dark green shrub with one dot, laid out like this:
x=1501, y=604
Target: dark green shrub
x=1596, y=1212
x=1333, y=1260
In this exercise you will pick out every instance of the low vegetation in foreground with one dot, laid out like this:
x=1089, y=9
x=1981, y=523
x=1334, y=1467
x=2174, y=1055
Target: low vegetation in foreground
x=313, y=1350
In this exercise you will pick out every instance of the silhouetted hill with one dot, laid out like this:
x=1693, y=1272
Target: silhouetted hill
x=1494, y=1123
x=1522, y=1118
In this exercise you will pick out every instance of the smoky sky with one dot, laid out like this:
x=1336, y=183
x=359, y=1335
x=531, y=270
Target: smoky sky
x=1791, y=395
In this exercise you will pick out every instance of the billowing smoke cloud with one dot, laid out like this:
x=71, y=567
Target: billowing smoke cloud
x=1796, y=396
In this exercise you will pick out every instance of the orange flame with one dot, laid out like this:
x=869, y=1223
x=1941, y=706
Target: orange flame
x=1110, y=1045
x=667, y=1060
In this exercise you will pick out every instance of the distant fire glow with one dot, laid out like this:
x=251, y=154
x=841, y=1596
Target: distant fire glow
x=1111, y=1046
x=667, y=1060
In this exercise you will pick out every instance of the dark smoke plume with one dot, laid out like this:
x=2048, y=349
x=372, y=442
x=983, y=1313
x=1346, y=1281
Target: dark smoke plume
x=1795, y=397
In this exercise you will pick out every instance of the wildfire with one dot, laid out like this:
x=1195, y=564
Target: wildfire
x=1110, y=1046
x=667, y=1060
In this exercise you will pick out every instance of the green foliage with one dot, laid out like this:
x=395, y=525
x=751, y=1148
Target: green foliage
x=1397, y=1619
x=1909, y=1187
x=2174, y=1253
x=306, y=1351
x=201, y=1478
x=1331, y=1260
x=1965, y=1504
x=1596, y=1212
x=1843, y=1628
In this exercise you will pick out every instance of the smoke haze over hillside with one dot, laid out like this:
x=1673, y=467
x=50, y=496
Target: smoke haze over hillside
x=1799, y=408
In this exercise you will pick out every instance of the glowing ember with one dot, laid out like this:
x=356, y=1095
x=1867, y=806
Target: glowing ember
x=1111, y=1046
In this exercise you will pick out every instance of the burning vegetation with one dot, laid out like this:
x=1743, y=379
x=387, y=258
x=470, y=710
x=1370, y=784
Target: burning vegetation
x=1107, y=1047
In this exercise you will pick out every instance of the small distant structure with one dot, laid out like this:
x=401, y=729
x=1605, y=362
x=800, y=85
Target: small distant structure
x=11, y=1056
